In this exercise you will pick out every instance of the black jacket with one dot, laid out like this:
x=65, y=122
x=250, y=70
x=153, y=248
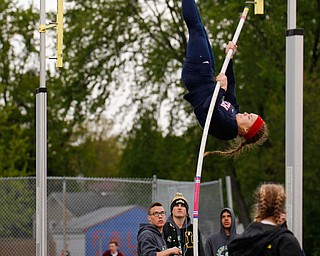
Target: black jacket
x=265, y=240
x=181, y=238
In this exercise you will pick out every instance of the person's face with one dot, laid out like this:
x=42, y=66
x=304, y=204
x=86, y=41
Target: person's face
x=226, y=220
x=113, y=248
x=283, y=217
x=157, y=216
x=245, y=121
x=179, y=211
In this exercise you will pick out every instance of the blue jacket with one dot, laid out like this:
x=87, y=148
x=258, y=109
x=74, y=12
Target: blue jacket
x=223, y=123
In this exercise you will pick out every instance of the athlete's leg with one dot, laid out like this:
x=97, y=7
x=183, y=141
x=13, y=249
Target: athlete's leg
x=198, y=44
x=199, y=68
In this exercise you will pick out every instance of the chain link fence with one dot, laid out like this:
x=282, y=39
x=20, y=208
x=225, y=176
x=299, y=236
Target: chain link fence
x=84, y=214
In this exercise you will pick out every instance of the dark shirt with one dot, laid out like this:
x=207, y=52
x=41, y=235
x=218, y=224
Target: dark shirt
x=150, y=240
x=181, y=238
x=108, y=253
x=223, y=123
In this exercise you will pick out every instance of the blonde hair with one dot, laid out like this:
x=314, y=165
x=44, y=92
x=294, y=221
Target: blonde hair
x=242, y=144
x=270, y=202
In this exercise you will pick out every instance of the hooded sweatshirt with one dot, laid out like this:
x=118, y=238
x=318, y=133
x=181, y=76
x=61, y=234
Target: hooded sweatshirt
x=150, y=240
x=181, y=238
x=265, y=240
x=216, y=244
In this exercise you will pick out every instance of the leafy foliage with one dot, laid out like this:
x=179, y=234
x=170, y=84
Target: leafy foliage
x=19, y=206
x=16, y=109
x=137, y=48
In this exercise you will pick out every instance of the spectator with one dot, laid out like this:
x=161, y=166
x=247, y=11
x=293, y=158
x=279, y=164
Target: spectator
x=268, y=234
x=150, y=238
x=216, y=244
x=113, y=249
x=178, y=230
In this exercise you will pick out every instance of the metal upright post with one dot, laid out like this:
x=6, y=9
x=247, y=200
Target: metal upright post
x=41, y=143
x=65, y=223
x=229, y=192
x=154, y=188
x=294, y=122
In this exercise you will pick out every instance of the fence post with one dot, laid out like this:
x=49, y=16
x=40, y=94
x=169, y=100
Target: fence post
x=222, y=200
x=154, y=187
x=229, y=191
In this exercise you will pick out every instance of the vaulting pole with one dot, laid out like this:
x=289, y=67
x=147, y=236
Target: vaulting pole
x=205, y=135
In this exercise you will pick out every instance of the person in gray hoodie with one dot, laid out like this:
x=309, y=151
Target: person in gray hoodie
x=216, y=244
x=150, y=239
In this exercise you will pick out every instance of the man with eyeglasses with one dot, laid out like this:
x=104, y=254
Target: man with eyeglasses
x=150, y=238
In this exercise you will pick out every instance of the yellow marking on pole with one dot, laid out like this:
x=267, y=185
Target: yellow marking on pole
x=42, y=28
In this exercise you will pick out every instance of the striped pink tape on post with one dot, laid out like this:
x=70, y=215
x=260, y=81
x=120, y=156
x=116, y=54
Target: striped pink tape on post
x=196, y=197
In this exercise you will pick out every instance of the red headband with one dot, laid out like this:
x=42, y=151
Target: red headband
x=254, y=128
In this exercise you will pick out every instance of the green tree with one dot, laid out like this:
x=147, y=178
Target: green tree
x=16, y=215
x=139, y=46
x=308, y=19
x=260, y=71
x=139, y=158
x=16, y=80
x=12, y=140
x=98, y=154
x=108, y=55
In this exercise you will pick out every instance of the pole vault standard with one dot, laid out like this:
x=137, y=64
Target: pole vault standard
x=41, y=126
x=258, y=10
x=294, y=122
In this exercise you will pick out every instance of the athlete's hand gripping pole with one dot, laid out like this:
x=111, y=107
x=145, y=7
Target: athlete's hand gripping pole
x=205, y=135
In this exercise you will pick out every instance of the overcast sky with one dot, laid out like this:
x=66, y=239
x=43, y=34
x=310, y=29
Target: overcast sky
x=50, y=4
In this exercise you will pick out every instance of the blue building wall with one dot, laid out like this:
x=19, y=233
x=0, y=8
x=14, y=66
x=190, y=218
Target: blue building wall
x=123, y=228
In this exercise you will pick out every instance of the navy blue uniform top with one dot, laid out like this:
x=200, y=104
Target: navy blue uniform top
x=223, y=123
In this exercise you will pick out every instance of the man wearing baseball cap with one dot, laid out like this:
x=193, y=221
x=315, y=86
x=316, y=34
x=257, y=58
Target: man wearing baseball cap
x=178, y=230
